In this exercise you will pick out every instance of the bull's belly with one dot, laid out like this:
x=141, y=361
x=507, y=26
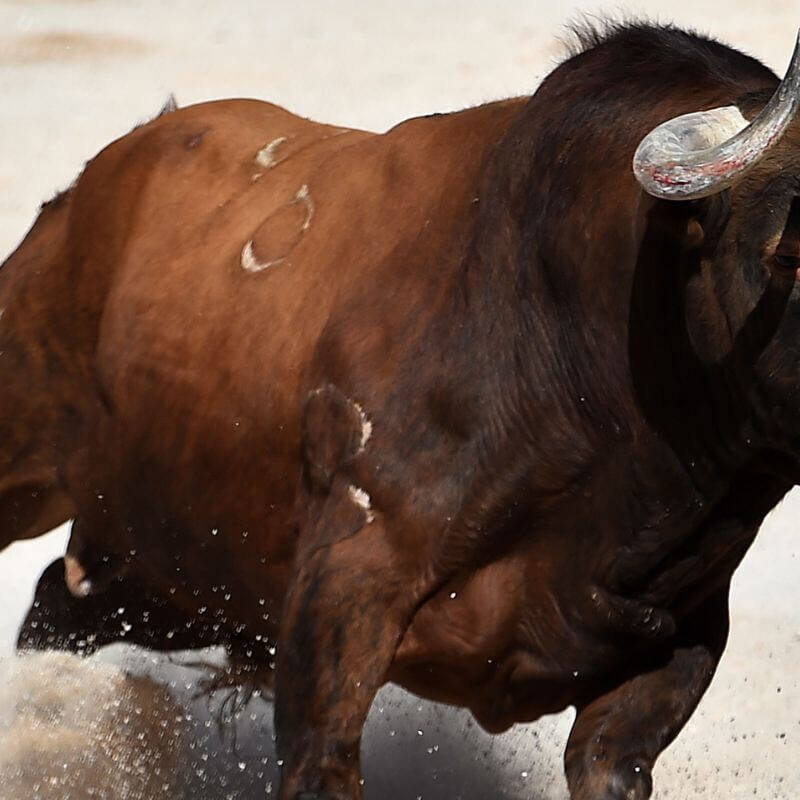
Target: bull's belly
x=230, y=564
x=494, y=704
x=517, y=686
x=202, y=514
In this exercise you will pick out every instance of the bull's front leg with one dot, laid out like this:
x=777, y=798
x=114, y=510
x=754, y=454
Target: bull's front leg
x=347, y=609
x=617, y=737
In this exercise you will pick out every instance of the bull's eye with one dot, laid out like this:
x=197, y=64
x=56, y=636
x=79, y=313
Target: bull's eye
x=787, y=261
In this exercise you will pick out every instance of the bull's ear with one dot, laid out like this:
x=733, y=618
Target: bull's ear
x=707, y=220
x=671, y=288
x=665, y=369
x=704, y=321
x=675, y=231
x=787, y=253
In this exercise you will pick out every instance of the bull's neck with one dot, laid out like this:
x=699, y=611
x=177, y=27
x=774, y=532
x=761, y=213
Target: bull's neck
x=579, y=298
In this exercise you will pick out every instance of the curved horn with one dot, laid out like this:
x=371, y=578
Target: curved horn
x=700, y=154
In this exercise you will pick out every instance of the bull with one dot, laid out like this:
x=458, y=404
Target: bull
x=491, y=405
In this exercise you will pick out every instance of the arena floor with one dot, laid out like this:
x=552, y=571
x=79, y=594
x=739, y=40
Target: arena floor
x=78, y=73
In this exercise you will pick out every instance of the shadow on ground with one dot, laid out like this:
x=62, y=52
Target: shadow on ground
x=412, y=749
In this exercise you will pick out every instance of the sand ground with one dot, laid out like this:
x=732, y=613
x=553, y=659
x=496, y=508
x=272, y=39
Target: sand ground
x=76, y=74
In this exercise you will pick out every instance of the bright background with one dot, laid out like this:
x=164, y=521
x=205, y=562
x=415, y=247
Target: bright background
x=76, y=74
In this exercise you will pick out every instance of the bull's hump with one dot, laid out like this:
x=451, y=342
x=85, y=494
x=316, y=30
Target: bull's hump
x=247, y=155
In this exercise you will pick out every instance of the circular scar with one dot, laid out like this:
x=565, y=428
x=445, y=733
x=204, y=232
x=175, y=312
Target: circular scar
x=279, y=234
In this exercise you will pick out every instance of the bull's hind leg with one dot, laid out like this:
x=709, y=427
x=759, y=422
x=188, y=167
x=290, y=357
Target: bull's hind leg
x=617, y=737
x=127, y=611
x=346, y=611
x=44, y=386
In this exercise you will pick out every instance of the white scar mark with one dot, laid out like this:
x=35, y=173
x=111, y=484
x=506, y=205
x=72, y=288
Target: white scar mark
x=304, y=197
x=362, y=500
x=251, y=264
x=366, y=424
x=366, y=427
x=266, y=156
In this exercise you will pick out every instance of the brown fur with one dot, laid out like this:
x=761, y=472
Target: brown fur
x=583, y=401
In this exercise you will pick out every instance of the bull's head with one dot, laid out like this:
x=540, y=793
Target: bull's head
x=736, y=172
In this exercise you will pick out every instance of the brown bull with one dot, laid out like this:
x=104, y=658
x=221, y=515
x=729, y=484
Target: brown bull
x=471, y=405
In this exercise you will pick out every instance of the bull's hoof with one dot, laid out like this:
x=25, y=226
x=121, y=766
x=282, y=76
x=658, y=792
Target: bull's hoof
x=630, y=780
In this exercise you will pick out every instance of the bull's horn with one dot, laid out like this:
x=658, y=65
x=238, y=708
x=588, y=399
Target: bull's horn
x=700, y=154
